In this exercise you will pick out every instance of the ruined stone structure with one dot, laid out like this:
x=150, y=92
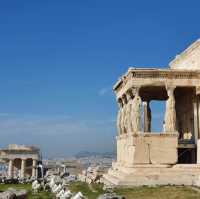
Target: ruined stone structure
x=173, y=155
x=21, y=158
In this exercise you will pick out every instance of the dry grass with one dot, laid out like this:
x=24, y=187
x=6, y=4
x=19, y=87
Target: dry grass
x=161, y=192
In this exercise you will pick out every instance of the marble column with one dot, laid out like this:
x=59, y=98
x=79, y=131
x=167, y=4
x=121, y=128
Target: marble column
x=34, y=168
x=136, y=111
x=124, y=115
x=119, y=117
x=10, y=169
x=147, y=117
x=128, y=112
x=23, y=167
x=170, y=114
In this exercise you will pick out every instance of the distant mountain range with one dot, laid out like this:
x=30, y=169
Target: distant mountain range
x=83, y=154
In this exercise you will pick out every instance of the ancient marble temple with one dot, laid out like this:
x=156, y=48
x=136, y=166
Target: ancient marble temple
x=173, y=155
x=22, y=160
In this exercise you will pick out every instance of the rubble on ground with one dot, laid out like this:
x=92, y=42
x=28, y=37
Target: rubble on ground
x=14, y=194
x=92, y=174
x=110, y=196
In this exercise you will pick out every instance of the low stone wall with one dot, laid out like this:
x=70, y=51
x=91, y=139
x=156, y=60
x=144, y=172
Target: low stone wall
x=147, y=148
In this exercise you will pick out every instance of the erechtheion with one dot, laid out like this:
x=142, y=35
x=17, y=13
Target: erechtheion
x=22, y=160
x=171, y=156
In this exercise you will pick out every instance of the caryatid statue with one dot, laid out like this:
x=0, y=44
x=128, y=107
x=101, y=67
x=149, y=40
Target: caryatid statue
x=123, y=117
x=119, y=117
x=128, y=122
x=170, y=114
x=136, y=111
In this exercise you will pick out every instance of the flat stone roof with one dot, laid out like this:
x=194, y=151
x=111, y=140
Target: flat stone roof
x=20, y=149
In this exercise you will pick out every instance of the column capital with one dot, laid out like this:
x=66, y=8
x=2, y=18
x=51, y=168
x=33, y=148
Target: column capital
x=170, y=87
x=144, y=103
x=170, y=90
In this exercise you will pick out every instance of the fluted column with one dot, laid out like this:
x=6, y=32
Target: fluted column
x=10, y=169
x=170, y=114
x=23, y=167
x=34, y=168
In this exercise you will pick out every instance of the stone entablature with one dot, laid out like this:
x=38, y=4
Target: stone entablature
x=8, y=151
x=156, y=77
x=20, y=156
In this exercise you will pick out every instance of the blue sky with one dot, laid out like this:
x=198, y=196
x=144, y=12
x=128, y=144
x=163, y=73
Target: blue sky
x=60, y=59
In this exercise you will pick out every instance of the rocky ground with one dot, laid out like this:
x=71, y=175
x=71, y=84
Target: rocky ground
x=41, y=195
x=93, y=191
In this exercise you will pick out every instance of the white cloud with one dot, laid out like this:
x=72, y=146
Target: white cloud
x=104, y=91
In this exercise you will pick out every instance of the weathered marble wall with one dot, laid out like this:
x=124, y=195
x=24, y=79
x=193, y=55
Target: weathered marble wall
x=149, y=148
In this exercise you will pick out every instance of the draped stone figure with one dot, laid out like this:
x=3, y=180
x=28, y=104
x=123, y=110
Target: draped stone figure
x=136, y=112
x=123, y=117
x=170, y=114
x=119, y=117
x=128, y=113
